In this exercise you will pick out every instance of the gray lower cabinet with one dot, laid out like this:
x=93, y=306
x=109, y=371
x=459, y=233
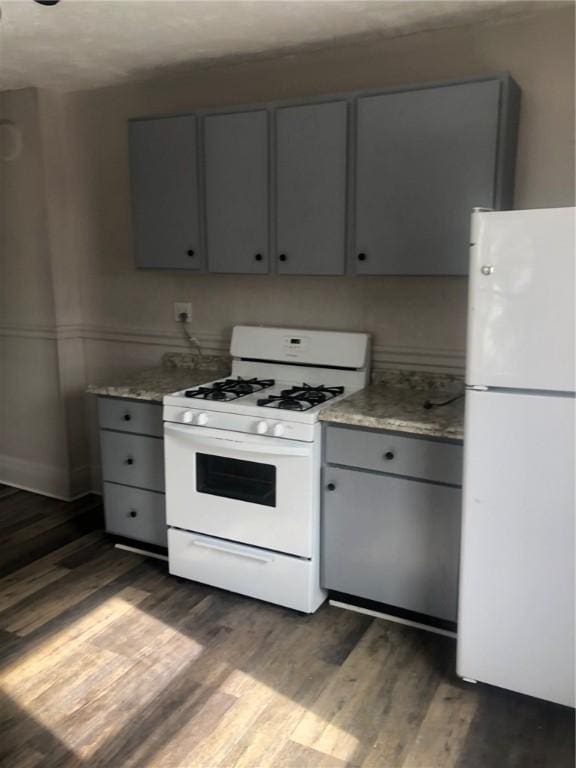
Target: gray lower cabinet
x=132, y=416
x=165, y=193
x=132, y=451
x=424, y=159
x=311, y=176
x=395, y=454
x=133, y=460
x=387, y=538
x=237, y=191
x=135, y=514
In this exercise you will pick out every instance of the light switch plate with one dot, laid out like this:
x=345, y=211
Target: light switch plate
x=183, y=308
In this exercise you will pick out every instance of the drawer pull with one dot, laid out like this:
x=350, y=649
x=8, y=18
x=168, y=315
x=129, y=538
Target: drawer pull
x=129, y=461
x=331, y=487
x=127, y=417
x=132, y=513
x=389, y=455
x=233, y=551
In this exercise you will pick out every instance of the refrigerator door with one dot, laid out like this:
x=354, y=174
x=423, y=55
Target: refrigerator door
x=516, y=602
x=521, y=316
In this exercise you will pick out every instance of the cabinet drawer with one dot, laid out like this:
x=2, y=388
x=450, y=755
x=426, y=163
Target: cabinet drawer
x=387, y=452
x=133, y=460
x=280, y=579
x=392, y=540
x=135, y=514
x=129, y=416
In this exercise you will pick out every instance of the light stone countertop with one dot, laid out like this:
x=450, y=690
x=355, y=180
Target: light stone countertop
x=398, y=406
x=152, y=384
x=394, y=403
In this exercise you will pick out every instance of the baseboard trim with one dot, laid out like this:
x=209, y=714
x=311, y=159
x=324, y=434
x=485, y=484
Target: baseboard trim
x=43, y=479
x=391, y=617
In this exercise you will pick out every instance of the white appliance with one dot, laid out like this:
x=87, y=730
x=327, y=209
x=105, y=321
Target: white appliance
x=243, y=459
x=517, y=597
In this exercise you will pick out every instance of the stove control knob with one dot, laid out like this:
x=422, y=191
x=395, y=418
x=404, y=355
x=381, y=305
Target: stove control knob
x=262, y=427
x=278, y=430
x=202, y=419
x=188, y=417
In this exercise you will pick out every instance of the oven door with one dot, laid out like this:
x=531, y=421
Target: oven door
x=256, y=490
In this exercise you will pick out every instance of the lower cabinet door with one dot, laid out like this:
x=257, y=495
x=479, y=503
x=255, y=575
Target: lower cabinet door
x=133, y=460
x=135, y=514
x=392, y=540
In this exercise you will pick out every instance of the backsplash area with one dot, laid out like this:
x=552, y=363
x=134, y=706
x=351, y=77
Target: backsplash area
x=415, y=323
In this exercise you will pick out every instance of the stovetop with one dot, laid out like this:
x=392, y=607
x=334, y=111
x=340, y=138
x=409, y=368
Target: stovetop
x=301, y=397
x=229, y=389
x=259, y=396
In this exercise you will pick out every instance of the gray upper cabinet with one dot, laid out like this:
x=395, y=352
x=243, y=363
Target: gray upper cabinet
x=424, y=159
x=311, y=177
x=361, y=183
x=237, y=191
x=165, y=193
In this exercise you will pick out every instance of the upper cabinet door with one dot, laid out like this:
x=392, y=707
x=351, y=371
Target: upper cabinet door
x=237, y=191
x=424, y=160
x=164, y=176
x=311, y=147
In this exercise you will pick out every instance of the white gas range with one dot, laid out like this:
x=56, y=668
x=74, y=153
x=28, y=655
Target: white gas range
x=243, y=459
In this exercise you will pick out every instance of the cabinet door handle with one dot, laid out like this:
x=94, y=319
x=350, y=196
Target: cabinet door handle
x=190, y=252
x=331, y=487
x=127, y=417
x=389, y=455
x=361, y=257
x=132, y=513
x=258, y=257
x=129, y=460
x=282, y=257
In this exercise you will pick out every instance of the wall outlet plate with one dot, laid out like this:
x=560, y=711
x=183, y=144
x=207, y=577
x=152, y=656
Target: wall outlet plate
x=183, y=308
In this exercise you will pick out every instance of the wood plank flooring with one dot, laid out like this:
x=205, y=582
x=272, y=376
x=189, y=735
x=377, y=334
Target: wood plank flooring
x=107, y=661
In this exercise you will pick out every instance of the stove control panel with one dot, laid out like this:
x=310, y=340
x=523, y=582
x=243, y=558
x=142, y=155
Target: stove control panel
x=237, y=422
x=295, y=346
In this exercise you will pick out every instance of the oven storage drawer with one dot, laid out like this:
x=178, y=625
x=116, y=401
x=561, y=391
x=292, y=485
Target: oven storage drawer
x=391, y=453
x=259, y=573
x=130, y=416
x=135, y=513
x=133, y=460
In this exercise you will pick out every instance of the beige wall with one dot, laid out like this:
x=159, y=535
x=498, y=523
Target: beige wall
x=43, y=426
x=109, y=318
x=33, y=450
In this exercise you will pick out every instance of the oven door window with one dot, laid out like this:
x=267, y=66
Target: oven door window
x=235, y=479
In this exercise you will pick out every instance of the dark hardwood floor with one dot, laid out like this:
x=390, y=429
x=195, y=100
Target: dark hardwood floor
x=109, y=661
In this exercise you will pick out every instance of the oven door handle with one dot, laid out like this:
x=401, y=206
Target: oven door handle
x=218, y=442
x=232, y=551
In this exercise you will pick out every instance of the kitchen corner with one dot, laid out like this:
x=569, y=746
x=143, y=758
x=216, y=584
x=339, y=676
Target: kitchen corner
x=287, y=384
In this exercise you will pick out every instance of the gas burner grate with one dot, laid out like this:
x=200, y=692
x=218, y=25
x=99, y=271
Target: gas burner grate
x=229, y=389
x=300, y=397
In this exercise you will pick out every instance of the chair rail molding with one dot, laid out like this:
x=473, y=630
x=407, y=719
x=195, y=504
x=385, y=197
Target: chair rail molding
x=384, y=356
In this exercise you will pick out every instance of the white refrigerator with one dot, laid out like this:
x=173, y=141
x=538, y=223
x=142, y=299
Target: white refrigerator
x=517, y=596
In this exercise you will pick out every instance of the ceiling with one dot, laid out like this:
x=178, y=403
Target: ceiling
x=80, y=44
